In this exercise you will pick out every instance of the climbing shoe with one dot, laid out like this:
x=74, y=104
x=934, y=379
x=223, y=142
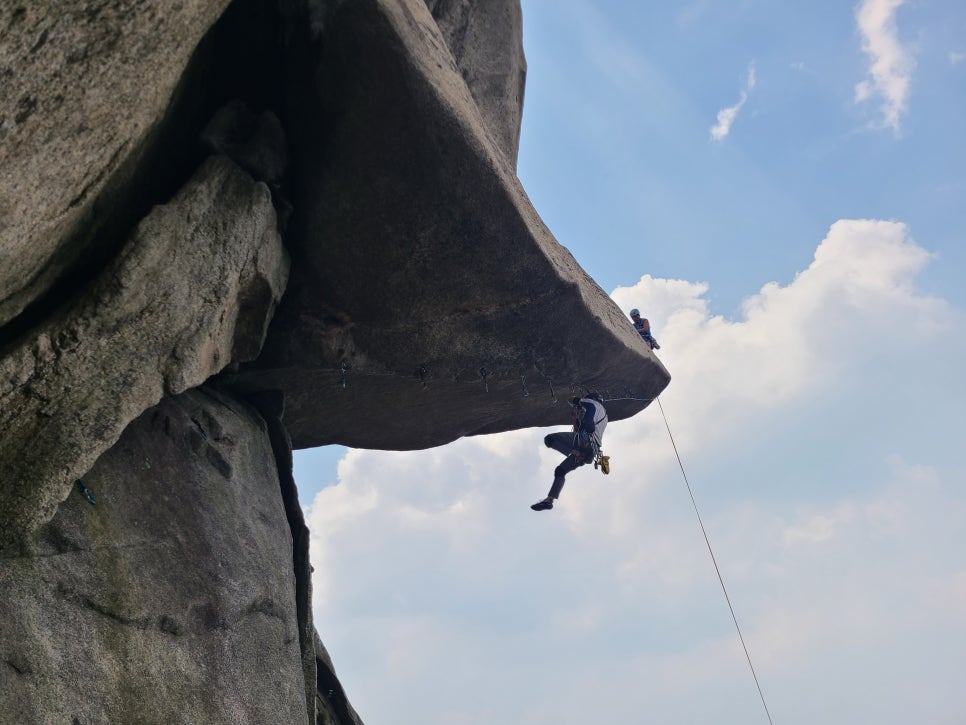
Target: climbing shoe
x=605, y=464
x=547, y=503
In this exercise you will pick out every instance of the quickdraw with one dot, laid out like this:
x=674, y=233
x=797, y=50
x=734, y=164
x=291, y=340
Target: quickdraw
x=600, y=459
x=86, y=491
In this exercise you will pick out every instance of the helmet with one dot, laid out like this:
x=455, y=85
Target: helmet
x=635, y=312
x=595, y=396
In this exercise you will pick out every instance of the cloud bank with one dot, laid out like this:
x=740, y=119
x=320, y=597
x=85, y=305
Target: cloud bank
x=444, y=600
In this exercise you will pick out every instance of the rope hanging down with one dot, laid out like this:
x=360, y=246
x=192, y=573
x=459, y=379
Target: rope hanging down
x=715, y=562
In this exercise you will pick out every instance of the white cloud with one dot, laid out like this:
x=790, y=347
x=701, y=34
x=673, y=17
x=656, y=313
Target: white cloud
x=955, y=58
x=892, y=63
x=726, y=116
x=863, y=270
x=435, y=581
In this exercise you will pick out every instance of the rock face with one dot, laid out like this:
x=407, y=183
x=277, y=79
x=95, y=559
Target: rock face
x=180, y=581
x=486, y=42
x=192, y=292
x=419, y=262
x=66, y=68
x=160, y=165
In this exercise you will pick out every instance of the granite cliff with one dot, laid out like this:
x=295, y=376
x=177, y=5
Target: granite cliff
x=229, y=230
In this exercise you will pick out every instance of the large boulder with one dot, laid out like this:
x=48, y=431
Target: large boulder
x=191, y=293
x=486, y=41
x=174, y=598
x=428, y=301
x=86, y=84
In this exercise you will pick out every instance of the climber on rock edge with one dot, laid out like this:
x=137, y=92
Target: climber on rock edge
x=643, y=327
x=590, y=419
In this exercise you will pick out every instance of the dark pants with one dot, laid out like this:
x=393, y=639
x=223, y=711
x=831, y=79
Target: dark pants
x=564, y=443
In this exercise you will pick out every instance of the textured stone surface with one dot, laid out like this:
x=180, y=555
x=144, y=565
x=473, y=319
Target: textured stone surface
x=256, y=142
x=271, y=406
x=415, y=248
x=66, y=68
x=486, y=41
x=173, y=600
x=191, y=293
x=427, y=302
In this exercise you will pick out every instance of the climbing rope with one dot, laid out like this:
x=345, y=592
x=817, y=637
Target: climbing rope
x=715, y=562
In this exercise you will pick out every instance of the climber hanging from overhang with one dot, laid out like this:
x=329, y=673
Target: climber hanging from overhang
x=581, y=445
x=643, y=327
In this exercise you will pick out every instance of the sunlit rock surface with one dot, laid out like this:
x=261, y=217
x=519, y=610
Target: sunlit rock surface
x=191, y=292
x=485, y=40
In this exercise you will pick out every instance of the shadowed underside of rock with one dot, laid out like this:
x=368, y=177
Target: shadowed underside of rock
x=419, y=262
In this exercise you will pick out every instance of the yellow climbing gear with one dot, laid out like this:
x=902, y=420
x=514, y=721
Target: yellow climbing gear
x=601, y=460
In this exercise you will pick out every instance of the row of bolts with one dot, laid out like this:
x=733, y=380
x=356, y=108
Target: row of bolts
x=484, y=373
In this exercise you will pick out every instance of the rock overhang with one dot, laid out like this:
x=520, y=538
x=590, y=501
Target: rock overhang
x=65, y=151
x=428, y=301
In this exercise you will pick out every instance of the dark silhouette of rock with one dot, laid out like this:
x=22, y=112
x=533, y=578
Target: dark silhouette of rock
x=256, y=142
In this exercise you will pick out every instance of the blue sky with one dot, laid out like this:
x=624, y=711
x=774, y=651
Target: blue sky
x=779, y=187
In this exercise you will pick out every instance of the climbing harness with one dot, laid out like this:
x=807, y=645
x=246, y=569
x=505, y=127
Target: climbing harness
x=86, y=491
x=599, y=459
x=715, y=562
